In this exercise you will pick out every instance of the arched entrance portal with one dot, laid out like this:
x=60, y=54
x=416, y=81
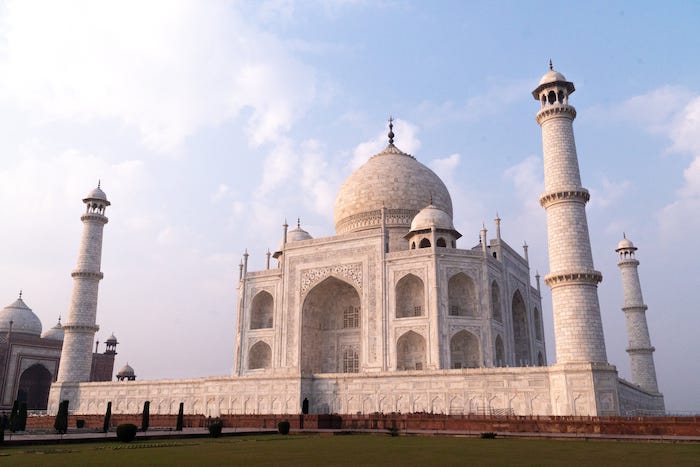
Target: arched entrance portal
x=331, y=329
x=410, y=352
x=464, y=350
x=521, y=335
x=34, y=385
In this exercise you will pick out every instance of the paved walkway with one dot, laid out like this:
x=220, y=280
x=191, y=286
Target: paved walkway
x=46, y=437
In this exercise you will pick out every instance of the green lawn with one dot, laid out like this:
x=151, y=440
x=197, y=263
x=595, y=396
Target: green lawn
x=356, y=450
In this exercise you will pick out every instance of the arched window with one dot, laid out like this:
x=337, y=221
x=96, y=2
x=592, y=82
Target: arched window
x=538, y=324
x=261, y=311
x=441, y=242
x=410, y=299
x=425, y=243
x=464, y=350
x=410, y=352
x=499, y=352
x=461, y=295
x=496, y=313
x=521, y=334
x=413, y=245
x=259, y=356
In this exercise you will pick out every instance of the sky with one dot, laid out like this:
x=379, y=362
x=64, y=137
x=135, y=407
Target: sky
x=210, y=123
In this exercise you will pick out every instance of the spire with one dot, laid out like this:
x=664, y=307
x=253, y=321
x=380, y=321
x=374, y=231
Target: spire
x=98, y=182
x=391, y=130
x=298, y=222
x=20, y=295
x=550, y=64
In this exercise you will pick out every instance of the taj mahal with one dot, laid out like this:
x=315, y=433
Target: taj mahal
x=394, y=313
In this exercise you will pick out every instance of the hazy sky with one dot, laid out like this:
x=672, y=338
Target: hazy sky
x=209, y=123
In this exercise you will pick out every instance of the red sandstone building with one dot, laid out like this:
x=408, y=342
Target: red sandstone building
x=29, y=360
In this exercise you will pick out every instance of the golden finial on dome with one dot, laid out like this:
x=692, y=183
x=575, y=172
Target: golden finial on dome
x=391, y=130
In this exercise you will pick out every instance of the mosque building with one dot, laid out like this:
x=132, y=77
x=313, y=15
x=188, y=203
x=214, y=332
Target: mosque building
x=390, y=314
x=29, y=359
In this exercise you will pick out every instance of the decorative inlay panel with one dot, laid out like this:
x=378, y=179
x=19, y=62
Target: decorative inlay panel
x=351, y=272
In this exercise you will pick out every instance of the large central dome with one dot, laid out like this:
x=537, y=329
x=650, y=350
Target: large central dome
x=391, y=179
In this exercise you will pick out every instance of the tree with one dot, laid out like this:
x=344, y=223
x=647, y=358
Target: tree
x=22, y=418
x=180, y=417
x=146, y=415
x=61, y=422
x=108, y=416
x=14, y=416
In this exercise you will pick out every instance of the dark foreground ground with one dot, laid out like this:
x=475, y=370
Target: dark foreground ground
x=355, y=450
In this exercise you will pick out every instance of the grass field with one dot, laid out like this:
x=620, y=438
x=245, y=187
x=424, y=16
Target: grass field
x=355, y=450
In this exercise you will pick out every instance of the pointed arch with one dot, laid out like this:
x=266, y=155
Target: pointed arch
x=496, y=312
x=521, y=332
x=538, y=324
x=261, y=311
x=34, y=386
x=410, y=297
x=441, y=242
x=461, y=295
x=424, y=243
x=464, y=350
x=499, y=352
x=331, y=319
x=259, y=356
x=410, y=352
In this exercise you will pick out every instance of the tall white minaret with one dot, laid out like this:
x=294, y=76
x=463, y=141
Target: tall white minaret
x=639, y=348
x=574, y=282
x=80, y=328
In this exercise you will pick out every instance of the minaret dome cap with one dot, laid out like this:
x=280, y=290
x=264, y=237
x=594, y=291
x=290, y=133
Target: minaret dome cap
x=96, y=195
x=625, y=244
x=551, y=78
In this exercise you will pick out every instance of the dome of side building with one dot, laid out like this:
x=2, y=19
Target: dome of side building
x=22, y=317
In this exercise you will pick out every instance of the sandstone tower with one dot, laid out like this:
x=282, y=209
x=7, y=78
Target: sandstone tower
x=574, y=281
x=80, y=328
x=640, y=349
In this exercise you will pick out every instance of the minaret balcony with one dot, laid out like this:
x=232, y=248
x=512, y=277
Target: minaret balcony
x=581, y=195
x=556, y=110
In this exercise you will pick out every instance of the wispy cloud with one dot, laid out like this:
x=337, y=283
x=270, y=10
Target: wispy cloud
x=75, y=62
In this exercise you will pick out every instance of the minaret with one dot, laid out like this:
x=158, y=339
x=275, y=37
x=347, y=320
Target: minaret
x=574, y=281
x=80, y=328
x=639, y=349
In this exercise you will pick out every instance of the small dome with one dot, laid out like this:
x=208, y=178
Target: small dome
x=96, y=194
x=126, y=370
x=55, y=333
x=431, y=216
x=111, y=339
x=625, y=244
x=23, y=319
x=552, y=76
x=295, y=235
x=298, y=234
